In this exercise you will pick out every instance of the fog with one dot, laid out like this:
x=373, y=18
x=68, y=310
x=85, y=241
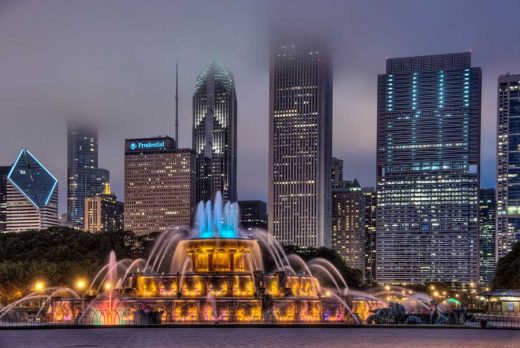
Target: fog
x=113, y=63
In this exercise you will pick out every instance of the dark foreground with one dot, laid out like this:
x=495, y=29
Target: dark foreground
x=261, y=337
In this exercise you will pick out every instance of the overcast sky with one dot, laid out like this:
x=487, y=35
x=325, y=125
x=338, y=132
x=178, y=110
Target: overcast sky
x=114, y=62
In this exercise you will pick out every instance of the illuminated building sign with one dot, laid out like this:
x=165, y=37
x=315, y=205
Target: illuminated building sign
x=152, y=144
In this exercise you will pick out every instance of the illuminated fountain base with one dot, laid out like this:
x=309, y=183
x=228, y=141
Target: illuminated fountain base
x=211, y=280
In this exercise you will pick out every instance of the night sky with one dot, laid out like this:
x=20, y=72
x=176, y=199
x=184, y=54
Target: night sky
x=113, y=62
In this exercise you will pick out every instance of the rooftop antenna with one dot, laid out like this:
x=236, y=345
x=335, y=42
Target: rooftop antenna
x=177, y=103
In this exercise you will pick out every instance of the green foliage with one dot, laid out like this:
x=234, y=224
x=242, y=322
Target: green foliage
x=58, y=256
x=353, y=277
x=507, y=275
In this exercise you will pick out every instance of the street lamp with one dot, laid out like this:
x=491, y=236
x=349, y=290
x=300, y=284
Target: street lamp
x=80, y=284
x=39, y=285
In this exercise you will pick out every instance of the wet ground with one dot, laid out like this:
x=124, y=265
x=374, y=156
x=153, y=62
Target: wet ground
x=261, y=337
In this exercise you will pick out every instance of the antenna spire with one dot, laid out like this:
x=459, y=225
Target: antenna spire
x=177, y=103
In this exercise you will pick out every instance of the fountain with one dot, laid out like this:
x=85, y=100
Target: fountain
x=211, y=273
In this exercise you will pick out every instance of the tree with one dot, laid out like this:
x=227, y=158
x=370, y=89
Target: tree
x=507, y=275
x=59, y=255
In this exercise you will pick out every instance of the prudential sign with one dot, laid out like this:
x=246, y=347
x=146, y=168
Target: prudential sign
x=147, y=145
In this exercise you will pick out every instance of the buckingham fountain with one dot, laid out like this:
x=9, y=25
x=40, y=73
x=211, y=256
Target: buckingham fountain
x=211, y=273
x=214, y=272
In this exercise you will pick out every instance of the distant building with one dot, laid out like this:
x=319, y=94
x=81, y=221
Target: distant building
x=215, y=133
x=337, y=170
x=370, y=234
x=428, y=169
x=159, y=185
x=103, y=212
x=508, y=164
x=253, y=215
x=32, y=195
x=3, y=197
x=487, y=239
x=348, y=223
x=84, y=178
x=300, y=144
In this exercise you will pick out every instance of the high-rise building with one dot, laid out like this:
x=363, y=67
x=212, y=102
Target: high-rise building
x=300, y=144
x=84, y=178
x=215, y=133
x=103, y=212
x=32, y=195
x=4, y=170
x=370, y=234
x=428, y=169
x=348, y=223
x=253, y=215
x=487, y=238
x=159, y=185
x=337, y=170
x=508, y=164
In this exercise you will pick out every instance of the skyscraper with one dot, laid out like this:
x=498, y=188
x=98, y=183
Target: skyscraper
x=348, y=223
x=215, y=133
x=32, y=195
x=103, y=212
x=428, y=169
x=487, y=238
x=508, y=164
x=159, y=185
x=253, y=215
x=300, y=144
x=3, y=197
x=84, y=178
x=370, y=234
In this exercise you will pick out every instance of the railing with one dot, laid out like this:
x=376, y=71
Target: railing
x=126, y=318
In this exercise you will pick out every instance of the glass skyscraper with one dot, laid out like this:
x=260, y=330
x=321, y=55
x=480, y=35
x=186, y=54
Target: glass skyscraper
x=215, y=133
x=300, y=144
x=84, y=178
x=508, y=164
x=487, y=217
x=32, y=195
x=428, y=169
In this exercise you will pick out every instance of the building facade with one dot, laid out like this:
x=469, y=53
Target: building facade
x=103, y=212
x=84, y=178
x=215, y=133
x=428, y=169
x=337, y=170
x=487, y=240
x=159, y=185
x=508, y=164
x=370, y=234
x=253, y=215
x=32, y=195
x=348, y=223
x=300, y=145
x=4, y=171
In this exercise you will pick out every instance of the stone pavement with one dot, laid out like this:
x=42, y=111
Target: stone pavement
x=260, y=337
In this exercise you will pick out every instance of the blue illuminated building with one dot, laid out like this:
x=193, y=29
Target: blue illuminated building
x=428, y=170
x=32, y=195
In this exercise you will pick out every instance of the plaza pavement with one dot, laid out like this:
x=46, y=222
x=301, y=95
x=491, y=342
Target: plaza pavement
x=260, y=337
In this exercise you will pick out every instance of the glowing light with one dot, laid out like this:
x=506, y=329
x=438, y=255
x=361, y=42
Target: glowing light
x=39, y=286
x=81, y=284
x=108, y=286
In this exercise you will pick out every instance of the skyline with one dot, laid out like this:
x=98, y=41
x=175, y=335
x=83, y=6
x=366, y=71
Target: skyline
x=116, y=64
